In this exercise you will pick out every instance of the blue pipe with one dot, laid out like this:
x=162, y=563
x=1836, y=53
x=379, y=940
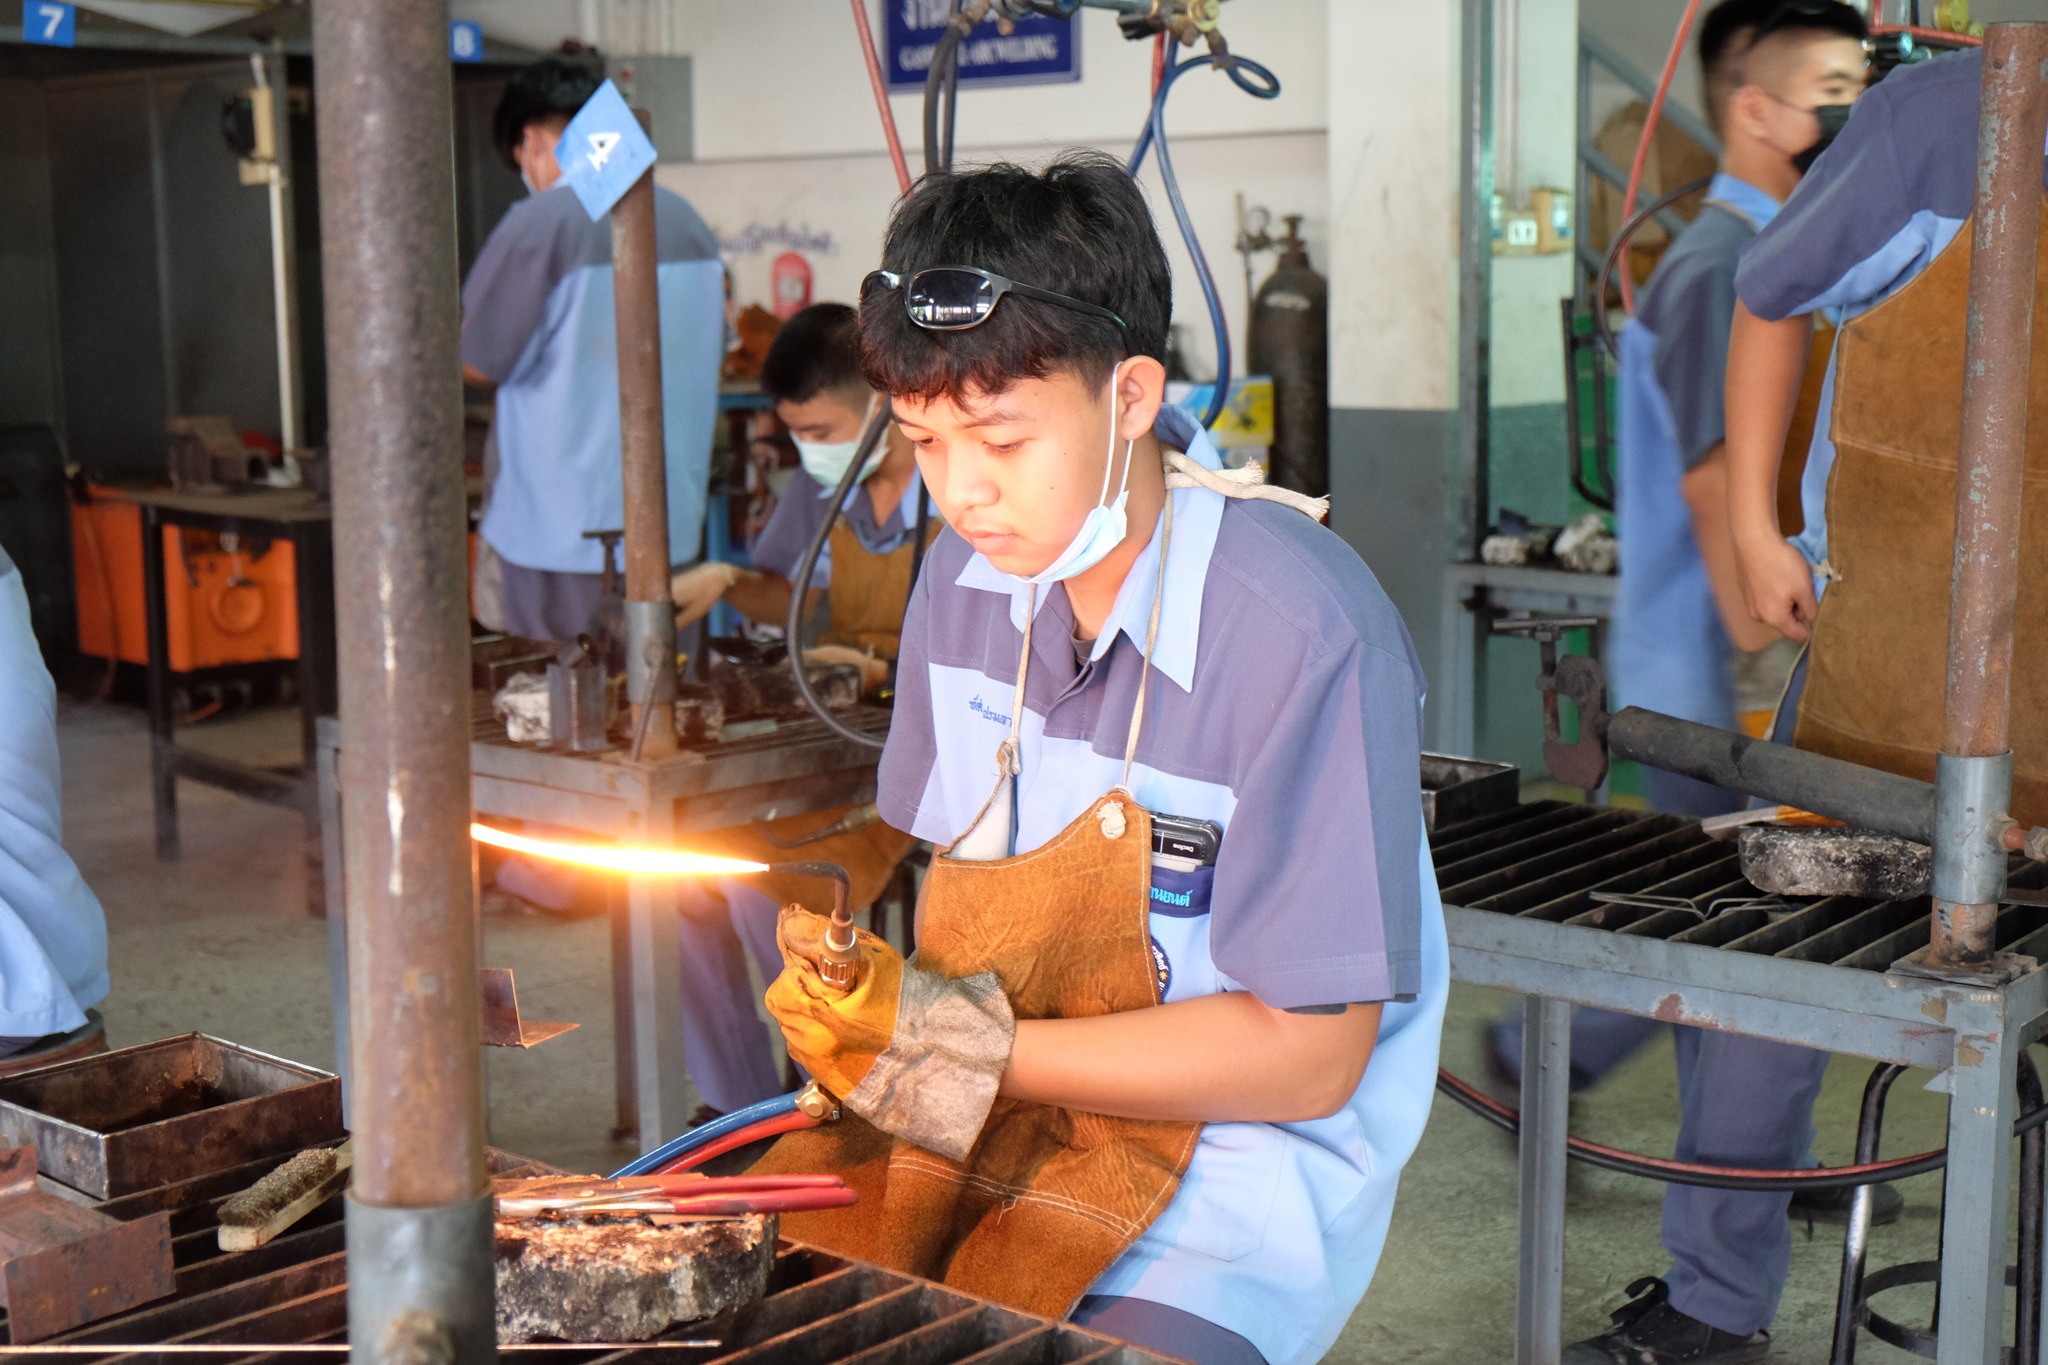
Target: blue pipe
x=709, y=1132
x=1255, y=80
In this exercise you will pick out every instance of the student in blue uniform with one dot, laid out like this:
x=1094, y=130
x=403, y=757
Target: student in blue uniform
x=538, y=329
x=53, y=934
x=1890, y=195
x=1680, y=632
x=1167, y=1093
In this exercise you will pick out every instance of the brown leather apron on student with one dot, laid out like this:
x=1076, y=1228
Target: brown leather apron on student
x=1877, y=666
x=1049, y=1198
x=867, y=593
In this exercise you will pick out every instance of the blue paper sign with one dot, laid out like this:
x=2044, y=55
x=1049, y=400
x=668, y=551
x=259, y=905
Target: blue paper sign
x=465, y=41
x=49, y=22
x=1041, y=50
x=603, y=151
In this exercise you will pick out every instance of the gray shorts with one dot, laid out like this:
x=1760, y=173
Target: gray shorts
x=1169, y=1331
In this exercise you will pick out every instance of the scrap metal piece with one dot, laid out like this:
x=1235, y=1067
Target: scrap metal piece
x=63, y=1265
x=1834, y=862
x=143, y=1116
x=1459, y=789
x=611, y=1279
x=502, y=1024
x=1582, y=762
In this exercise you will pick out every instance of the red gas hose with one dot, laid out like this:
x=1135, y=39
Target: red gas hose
x=881, y=85
x=740, y=1137
x=1927, y=35
x=1635, y=172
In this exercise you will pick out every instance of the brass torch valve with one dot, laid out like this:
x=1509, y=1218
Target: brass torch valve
x=841, y=966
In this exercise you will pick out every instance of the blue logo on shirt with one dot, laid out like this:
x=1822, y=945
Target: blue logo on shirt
x=1183, y=899
x=981, y=708
x=1162, y=968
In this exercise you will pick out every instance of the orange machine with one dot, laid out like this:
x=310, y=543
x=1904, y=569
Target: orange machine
x=223, y=602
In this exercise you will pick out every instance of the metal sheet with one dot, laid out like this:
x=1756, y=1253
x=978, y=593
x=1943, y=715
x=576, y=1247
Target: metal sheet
x=63, y=1265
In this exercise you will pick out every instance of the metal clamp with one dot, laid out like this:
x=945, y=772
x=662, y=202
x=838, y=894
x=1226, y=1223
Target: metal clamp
x=1971, y=796
x=1582, y=762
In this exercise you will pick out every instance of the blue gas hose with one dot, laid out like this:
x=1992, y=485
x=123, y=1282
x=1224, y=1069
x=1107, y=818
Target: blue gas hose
x=709, y=1132
x=1255, y=80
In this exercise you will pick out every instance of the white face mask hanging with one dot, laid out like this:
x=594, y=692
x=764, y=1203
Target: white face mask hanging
x=1107, y=523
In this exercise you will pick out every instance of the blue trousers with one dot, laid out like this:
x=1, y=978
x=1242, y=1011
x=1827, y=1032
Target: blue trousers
x=725, y=1045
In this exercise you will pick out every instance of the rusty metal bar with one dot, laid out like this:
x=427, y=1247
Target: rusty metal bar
x=1974, y=779
x=419, y=1210
x=650, y=619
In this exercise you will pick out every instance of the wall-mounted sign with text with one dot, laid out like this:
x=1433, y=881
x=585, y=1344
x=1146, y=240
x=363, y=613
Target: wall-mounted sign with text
x=1041, y=50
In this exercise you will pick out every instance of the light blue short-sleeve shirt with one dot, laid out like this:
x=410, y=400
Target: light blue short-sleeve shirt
x=53, y=934
x=1285, y=705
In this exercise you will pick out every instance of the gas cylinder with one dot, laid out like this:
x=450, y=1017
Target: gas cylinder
x=1290, y=340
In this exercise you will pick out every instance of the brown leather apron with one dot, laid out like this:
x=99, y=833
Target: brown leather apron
x=1878, y=662
x=867, y=593
x=1050, y=1197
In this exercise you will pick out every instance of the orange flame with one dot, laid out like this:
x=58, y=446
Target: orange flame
x=659, y=862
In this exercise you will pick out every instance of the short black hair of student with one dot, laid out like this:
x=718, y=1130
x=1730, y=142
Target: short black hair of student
x=817, y=350
x=1733, y=27
x=1078, y=227
x=551, y=87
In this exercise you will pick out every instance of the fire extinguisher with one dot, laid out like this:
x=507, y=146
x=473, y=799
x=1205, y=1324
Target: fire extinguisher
x=789, y=284
x=1290, y=340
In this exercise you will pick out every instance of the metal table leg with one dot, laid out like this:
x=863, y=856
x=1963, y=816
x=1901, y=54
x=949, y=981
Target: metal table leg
x=163, y=760
x=656, y=949
x=1546, y=1100
x=1980, y=1117
x=625, y=1080
x=327, y=789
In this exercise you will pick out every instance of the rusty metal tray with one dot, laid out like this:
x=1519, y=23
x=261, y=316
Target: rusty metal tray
x=1459, y=789
x=146, y=1116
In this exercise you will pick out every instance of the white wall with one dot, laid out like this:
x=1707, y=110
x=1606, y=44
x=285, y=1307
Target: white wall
x=789, y=145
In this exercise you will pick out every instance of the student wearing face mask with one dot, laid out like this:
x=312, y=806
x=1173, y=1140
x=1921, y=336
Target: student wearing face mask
x=1170, y=1033
x=812, y=374
x=538, y=329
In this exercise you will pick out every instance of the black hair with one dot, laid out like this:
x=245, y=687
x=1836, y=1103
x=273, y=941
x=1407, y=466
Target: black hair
x=552, y=87
x=818, y=349
x=1733, y=27
x=1078, y=227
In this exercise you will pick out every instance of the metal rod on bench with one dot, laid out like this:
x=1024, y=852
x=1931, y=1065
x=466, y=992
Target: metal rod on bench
x=650, y=615
x=419, y=1213
x=1973, y=773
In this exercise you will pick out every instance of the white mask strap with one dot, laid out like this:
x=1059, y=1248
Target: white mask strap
x=1109, y=456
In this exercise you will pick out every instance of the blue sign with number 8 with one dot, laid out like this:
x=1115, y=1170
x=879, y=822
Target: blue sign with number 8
x=465, y=41
x=49, y=22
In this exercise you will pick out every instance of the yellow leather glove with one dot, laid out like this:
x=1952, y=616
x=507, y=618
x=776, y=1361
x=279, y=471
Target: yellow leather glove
x=914, y=1053
x=834, y=1035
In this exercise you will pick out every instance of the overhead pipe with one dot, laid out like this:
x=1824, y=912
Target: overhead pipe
x=419, y=1208
x=1973, y=773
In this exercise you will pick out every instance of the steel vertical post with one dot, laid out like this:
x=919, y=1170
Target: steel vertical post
x=419, y=1213
x=1974, y=777
x=1546, y=1107
x=1970, y=1329
x=650, y=617
x=1475, y=275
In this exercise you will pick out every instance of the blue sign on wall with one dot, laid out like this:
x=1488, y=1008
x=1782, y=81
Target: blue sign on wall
x=49, y=22
x=465, y=41
x=1041, y=49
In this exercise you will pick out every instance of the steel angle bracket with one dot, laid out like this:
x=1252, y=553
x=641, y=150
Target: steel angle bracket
x=502, y=1025
x=63, y=1265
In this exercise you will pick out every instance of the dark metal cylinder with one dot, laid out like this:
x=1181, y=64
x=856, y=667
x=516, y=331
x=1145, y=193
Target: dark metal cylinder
x=394, y=400
x=650, y=649
x=2012, y=123
x=1290, y=340
x=1849, y=792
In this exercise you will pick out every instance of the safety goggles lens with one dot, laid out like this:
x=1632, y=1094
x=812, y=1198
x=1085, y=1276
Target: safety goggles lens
x=950, y=299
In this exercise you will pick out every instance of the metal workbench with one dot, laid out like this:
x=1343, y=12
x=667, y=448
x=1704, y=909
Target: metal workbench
x=1517, y=887
x=800, y=767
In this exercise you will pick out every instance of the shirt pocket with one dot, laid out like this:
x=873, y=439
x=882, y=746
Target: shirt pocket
x=1226, y=1199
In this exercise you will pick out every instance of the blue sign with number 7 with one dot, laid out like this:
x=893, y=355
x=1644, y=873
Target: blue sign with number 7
x=49, y=22
x=603, y=151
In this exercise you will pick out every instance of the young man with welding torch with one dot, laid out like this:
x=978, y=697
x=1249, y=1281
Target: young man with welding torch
x=1171, y=1030
x=812, y=374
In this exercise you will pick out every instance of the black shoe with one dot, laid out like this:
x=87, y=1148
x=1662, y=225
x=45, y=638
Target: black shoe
x=1832, y=1206
x=1649, y=1331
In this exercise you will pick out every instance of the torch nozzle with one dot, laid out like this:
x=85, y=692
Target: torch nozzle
x=841, y=967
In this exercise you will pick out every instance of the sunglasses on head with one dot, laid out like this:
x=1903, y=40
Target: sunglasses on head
x=953, y=298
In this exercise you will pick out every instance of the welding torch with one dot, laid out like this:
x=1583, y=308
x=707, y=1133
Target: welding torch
x=841, y=967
